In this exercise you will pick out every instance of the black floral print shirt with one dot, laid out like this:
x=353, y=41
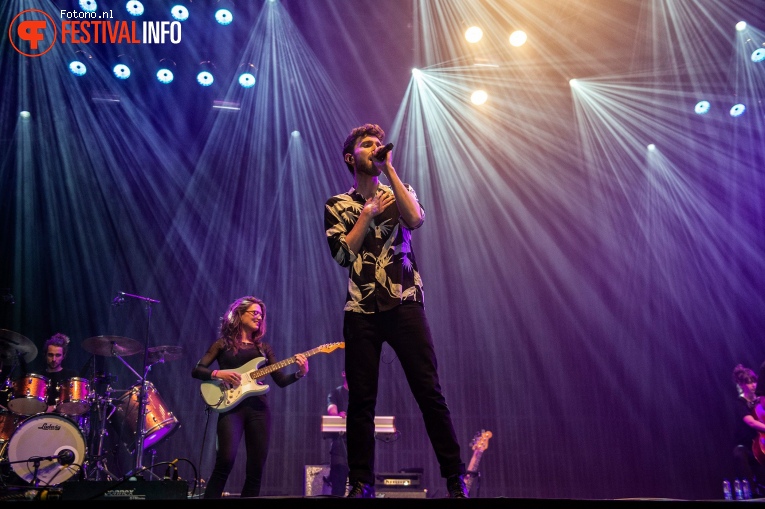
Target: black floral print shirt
x=383, y=274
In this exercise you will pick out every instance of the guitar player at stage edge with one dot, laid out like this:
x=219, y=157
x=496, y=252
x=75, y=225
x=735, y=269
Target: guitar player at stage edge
x=242, y=329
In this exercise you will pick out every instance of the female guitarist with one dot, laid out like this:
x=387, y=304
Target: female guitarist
x=241, y=340
x=748, y=454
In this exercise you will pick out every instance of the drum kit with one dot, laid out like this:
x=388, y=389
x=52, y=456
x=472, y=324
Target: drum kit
x=44, y=447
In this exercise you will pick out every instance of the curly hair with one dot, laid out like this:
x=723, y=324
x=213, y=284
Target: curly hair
x=58, y=339
x=360, y=132
x=231, y=321
x=743, y=375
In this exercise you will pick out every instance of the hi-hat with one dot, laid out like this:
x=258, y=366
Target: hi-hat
x=13, y=344
x=165, y=353
x=110, y=346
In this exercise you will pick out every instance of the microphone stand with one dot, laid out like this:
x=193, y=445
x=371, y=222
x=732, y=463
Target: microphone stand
x=142, y=391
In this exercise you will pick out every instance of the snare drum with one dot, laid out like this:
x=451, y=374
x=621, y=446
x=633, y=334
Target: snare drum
x=73, y=396
x=28, y=395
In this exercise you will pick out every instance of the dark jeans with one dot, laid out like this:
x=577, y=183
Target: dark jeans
x=405, y=329
x=253, y=420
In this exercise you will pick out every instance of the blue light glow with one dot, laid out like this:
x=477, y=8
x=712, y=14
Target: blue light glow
x=77, y=68
x=247, y=80
x=121, y=71
x=702, y=107
x=88, y=5
x=224, y=16
x=758, y=55
x=165, y=76
x=737, y=110
x=205, y=78
x=179, y=13
x=134, y=8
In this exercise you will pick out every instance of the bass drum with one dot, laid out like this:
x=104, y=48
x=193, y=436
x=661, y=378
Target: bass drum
x=42, y=436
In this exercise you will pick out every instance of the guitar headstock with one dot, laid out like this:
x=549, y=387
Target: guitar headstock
x=331, y=347
x=480, y=441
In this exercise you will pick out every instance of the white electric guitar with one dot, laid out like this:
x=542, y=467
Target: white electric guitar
x=219, y=398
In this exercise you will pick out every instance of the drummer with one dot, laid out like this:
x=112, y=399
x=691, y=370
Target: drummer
x=55, y=350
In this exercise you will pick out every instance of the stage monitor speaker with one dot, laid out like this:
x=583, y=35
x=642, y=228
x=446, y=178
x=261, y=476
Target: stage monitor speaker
x=317, y=480
x=127, y=490
x=400, y=493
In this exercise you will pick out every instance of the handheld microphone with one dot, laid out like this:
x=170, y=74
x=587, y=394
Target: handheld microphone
x=118, y=300
x=380, y=156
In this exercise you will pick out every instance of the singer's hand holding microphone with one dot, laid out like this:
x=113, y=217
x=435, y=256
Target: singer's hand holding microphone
x=380, y=154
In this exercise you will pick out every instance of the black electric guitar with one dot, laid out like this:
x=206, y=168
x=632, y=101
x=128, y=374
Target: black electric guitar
x=479, y=444
x=219, y=398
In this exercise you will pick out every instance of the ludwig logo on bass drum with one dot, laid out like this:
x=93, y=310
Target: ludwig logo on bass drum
x=49, y=426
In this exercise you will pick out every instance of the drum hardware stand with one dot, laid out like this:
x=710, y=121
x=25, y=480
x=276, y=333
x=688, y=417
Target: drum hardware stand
x=142, y=393
x=100, y=462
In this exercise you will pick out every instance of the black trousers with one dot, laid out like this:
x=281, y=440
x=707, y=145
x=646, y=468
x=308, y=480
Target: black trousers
x=405, y=329
x=251, y=419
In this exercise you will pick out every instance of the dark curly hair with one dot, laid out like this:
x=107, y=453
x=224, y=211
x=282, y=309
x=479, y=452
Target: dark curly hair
x=231, y=321
x=360, y=132
x=743, y=375
x=58, y=339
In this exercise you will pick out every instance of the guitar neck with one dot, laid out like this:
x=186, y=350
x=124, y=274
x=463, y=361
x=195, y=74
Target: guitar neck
x=260, y=373
x=474, y=461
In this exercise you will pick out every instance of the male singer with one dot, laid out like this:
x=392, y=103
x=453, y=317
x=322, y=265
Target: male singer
x=369, y=230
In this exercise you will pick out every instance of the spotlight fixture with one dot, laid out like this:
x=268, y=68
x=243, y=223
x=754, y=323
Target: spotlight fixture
x=737, y=110
x=295, y=134
x=205, y=76
x=741, y=26
x=702, y=107
x=77, y=68
x=518, y=38
x=416, y=73
x=165, y=74
x=247, y=76
x=122, y=69
x=134, y=8
x=247, y=80
x=88, y=5
x=25, y=114
x=224, y=16
x=479, y=97
x=651, y=147
x=758, y=55
x=179, y=13
x=473, y=34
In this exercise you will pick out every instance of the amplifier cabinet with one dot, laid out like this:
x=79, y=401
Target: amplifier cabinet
x=400, y=493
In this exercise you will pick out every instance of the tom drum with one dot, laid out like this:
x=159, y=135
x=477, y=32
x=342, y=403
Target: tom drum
x=74, y=396
x=28, y=395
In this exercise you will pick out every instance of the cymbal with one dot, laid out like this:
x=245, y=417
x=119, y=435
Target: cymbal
x=13, y=343
x=165, y=353
x=110, y=346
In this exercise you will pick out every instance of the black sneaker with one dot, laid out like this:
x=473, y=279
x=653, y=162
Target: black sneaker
x=361, y=490
x=455, y=486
